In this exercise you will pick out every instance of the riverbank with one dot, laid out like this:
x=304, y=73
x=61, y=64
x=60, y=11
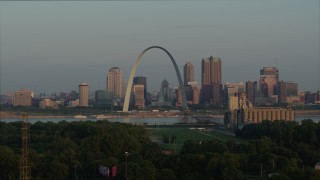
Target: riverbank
x=307, y=112
x=15, y=115
x=8, y=115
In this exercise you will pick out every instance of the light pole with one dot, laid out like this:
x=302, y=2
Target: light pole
x=126, y=154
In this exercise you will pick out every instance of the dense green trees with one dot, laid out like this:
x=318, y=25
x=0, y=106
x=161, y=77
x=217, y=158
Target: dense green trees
x=66, y=150
x=57, y=150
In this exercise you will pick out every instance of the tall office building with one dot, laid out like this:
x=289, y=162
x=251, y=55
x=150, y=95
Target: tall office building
x=188, y=73
x=292, y=89
x=142, y=81
x=273, y=71
x=138, y=91
x=205, y=72
x=215, y=70
x=269, y=77
x=211, y=78
x=83, y=94
x=232, y=89
x=251, y=91
x=114, y=82
x=217, y=96
x=282, y=92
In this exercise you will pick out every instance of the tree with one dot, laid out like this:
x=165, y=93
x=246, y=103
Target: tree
x=8, y=163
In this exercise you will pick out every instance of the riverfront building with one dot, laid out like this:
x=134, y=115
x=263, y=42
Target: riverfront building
x=103, y=98
x=244, y=113
x=22, y=98
x=83, y=94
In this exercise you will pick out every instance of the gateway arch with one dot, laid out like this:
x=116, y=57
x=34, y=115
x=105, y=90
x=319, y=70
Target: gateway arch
x=133, y=72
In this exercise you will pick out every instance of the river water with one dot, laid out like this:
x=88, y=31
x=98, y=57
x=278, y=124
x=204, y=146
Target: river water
x=150, y=121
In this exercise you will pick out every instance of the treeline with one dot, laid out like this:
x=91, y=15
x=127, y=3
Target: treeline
x=64, y=150
x=303, y=138
x=71, y=150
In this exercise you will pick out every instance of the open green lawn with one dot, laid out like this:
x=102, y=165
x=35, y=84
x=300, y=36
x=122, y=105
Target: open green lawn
x=182, y=134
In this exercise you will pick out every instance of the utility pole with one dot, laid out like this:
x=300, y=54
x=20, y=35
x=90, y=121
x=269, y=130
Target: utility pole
x=25, y=173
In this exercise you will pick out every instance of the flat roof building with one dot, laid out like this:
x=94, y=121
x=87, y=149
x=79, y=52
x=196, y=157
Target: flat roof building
x=83, y=94
x=22, y=97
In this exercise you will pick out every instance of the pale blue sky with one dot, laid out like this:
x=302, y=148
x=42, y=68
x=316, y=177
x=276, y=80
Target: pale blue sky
x=52, y=46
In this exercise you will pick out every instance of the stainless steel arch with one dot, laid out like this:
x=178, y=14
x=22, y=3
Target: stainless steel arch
x=133, y=72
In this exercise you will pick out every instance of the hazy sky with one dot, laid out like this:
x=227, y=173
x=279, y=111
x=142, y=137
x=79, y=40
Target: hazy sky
x=53, y=46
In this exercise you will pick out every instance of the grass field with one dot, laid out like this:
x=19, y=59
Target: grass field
x=183, y=134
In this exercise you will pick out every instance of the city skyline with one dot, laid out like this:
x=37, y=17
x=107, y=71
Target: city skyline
x=76, y=46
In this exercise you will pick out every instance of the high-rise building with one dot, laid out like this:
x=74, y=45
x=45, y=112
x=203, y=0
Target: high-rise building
x=282, y=92
x=211, y=78
x=251, y=91
x=232, y=89
x=215, y=70
x=233, y=103
x=205, y=72
x=22, y=98
x=269, y=77
x=196, y=95
x=188, y=73
x=189, y=94
x=211, y=70
x=114, y=82
x=192, y=95
x=292, y=89
x=217, y=96
x=273, y=71
x=83, y=94
x=138, y=91
x=142, y=81
x=164, y=86
x=310, y=97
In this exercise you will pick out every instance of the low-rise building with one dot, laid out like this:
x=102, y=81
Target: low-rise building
x=22, y=98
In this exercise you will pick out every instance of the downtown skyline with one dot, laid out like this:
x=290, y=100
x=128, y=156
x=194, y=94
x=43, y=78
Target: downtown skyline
x=47, y=51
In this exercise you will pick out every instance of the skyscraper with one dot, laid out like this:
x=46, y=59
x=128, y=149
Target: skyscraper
x=269, y=77
x=138, y=91
x=188, y=73
x=114, y=82
x=205, y=72
x=270, y=71
x=83, y=94
x=211, y=75
x=251, y=91
x=142, y=81
x=215, y=70
x=292, y=89
x=282, y=92
x=232, y=89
